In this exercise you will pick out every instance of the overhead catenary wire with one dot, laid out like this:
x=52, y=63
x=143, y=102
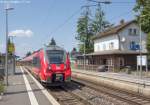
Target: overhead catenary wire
x=78, y=11
x=108, y=1
x=122, y=14
x=113, y=3
x=66, y=21
x=48, y=13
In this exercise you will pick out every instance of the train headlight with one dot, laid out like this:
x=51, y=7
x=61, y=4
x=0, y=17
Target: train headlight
x=65, y=67
x=49, y=68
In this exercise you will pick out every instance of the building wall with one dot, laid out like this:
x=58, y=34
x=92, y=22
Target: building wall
x=126, y=38
x=123, y=42
x=105, y=43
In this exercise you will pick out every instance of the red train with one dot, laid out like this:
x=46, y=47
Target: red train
x=51, y=65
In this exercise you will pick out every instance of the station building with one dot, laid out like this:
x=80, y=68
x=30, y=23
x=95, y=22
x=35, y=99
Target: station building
x=118, y=46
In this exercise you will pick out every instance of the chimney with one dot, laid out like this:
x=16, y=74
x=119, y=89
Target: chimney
x=122, y=21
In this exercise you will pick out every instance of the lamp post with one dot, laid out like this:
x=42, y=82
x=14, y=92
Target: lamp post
x=84, y=56
x=12, y=51
x=6, y=56
x=140, y=51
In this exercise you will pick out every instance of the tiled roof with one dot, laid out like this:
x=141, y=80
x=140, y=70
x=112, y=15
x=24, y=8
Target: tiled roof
x=113, y=30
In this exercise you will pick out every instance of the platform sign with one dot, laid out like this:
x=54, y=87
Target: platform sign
x=11, y=48
x=144, y=60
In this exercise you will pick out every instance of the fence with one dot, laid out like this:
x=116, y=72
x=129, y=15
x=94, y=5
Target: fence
x=2, y=67
x=92, y=67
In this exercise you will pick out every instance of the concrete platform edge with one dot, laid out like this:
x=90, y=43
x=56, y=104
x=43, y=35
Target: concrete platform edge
x=123, y=85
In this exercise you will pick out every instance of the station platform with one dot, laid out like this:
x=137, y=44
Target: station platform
x=122, y=81
x=117, y=76
x=23, y=89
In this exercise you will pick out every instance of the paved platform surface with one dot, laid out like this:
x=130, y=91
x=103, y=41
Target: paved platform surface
x=117, y=76
x=23, y=90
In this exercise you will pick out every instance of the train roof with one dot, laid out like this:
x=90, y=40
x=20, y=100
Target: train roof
x=50, y=47
x=54, y=47
x=29, y=58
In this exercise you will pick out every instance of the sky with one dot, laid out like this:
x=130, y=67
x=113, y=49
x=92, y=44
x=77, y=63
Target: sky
x=35, y=22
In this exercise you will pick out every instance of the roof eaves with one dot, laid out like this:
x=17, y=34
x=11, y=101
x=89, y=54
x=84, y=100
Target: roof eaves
x=113, y=31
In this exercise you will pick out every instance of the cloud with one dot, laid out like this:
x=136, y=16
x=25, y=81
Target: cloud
x=21, y=33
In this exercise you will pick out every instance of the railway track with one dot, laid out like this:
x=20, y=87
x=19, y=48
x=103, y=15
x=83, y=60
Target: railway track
x=80, y=92
x=131, y=99
x=65, y=97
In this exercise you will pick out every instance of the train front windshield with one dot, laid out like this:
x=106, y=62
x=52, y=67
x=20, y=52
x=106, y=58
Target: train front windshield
x=56, y=57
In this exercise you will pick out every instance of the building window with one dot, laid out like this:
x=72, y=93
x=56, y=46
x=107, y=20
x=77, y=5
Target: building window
x=132, y=31
x=104, y=62
x=111, y=46
x=134, y=46
x=121, y=61
x=110, y=63
x=104, y=47
x=98, y=48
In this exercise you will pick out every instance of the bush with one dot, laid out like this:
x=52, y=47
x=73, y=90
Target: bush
x=1, y=84
x=1, y=87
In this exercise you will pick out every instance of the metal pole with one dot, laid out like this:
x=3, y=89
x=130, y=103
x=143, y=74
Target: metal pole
x=14, y=64
x=87, y=13
x=84, y=56
x=137, y=69
x=6, y=56
x=99, y=7
x=146, y=68
x=140, y=50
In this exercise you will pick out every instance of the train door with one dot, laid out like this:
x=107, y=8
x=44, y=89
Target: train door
x=36, y=65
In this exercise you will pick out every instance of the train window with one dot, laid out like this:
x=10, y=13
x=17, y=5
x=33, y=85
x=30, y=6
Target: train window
x=36, y=62
x=56, y=57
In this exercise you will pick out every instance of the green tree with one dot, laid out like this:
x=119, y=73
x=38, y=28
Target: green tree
x=142, y=7
x=28, y=53
x=99, y=23
x=53, y=42
x=85, y=33
x=74, y=50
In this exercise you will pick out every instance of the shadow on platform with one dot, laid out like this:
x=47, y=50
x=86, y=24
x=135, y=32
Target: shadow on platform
x=20, y=92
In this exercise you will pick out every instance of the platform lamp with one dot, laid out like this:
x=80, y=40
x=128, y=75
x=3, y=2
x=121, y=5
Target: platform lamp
x=141, y=44
x=7, y=9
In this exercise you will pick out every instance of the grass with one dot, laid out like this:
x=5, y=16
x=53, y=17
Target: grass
x=1, y=84
x=1, y=87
